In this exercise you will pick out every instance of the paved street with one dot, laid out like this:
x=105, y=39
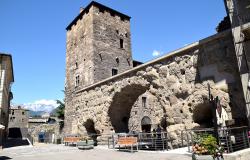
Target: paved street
x=60, y=152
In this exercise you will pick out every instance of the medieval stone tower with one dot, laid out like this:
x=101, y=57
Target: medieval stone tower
x=98, y=46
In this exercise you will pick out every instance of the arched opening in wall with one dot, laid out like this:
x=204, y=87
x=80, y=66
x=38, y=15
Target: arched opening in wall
x=146, y=124
x=91, y=131
x=120, y=108
x=203, y=115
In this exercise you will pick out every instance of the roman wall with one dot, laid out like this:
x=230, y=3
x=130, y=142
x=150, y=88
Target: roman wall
x=175, y=87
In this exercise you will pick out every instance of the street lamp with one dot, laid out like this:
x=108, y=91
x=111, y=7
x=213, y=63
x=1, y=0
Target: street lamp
x=213, y=102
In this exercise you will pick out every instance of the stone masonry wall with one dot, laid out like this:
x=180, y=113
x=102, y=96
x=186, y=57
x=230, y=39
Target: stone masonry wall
x=79, y=52
x=93, y=47
x=178, y=84
x=108, y=29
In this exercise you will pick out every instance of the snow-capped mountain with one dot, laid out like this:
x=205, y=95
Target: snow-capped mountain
x=41, y=105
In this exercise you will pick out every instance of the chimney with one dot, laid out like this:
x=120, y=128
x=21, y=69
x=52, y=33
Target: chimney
x=81, y=9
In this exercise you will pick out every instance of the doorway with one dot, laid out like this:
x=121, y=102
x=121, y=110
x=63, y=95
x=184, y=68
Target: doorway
x=146, y=124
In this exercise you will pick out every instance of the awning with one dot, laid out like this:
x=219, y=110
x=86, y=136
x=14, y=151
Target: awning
x=2, y=126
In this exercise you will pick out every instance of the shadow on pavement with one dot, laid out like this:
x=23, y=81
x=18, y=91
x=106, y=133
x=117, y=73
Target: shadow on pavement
x=15, y=142
x=4, y=158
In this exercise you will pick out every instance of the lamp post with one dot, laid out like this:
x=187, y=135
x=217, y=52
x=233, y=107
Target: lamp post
x=213, y=102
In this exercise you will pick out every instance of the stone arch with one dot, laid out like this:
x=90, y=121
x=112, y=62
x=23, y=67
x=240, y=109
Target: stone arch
x=203, y=115
x=90, y=126
x=122, y=102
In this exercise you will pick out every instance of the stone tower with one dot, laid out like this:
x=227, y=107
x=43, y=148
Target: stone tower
x=98, y=46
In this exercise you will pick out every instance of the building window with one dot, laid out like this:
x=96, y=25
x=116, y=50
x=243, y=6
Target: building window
x=114, y=72
x=77, y=82
x=128, y=60
x=121, y=43
x=100, y=55
x=22, y=113
x=126, y=35
x=117, y=60
x=12, y=112
x=117, y=31
x=76, y=65
x=144, y=101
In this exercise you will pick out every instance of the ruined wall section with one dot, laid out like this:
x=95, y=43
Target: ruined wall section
x=108, y=30
x=151, y=109
x=179, y=83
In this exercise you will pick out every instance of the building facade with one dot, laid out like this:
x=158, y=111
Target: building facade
x=239, y=13
x=18, y=122
x=98, y=46
x=6, y=79
x=171, y=90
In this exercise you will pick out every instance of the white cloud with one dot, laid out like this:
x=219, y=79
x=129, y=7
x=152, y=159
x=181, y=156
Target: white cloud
x=156, y=53
x=41, y=105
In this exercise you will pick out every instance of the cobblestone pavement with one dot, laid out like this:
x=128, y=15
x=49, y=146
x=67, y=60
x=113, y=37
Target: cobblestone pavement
x=60, y=152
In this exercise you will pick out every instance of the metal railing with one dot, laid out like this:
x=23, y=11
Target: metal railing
x=146, y=141
x=231, y=139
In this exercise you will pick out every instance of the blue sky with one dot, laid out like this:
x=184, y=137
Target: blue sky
x=34, y=33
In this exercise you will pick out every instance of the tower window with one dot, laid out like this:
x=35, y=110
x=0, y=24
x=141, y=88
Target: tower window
x=117, y=31
x=77, y=82
x=76, y=65
x=144, y=101
x=121, y=43
x=114, y=71
x=22, y=113
x=128, y=60
x=100, y=55
x=117, y=60
x=126, y=35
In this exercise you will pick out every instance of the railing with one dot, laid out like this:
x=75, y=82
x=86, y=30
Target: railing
x=232, y=139
x=146, y=141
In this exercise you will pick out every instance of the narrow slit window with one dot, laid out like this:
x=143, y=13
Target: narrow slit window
x=117, y=60
x=121, y=43
x=76, y=65
x=114, y=72
x=144, y=101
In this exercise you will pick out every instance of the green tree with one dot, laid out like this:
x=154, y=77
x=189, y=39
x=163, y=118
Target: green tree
x=60, y=109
